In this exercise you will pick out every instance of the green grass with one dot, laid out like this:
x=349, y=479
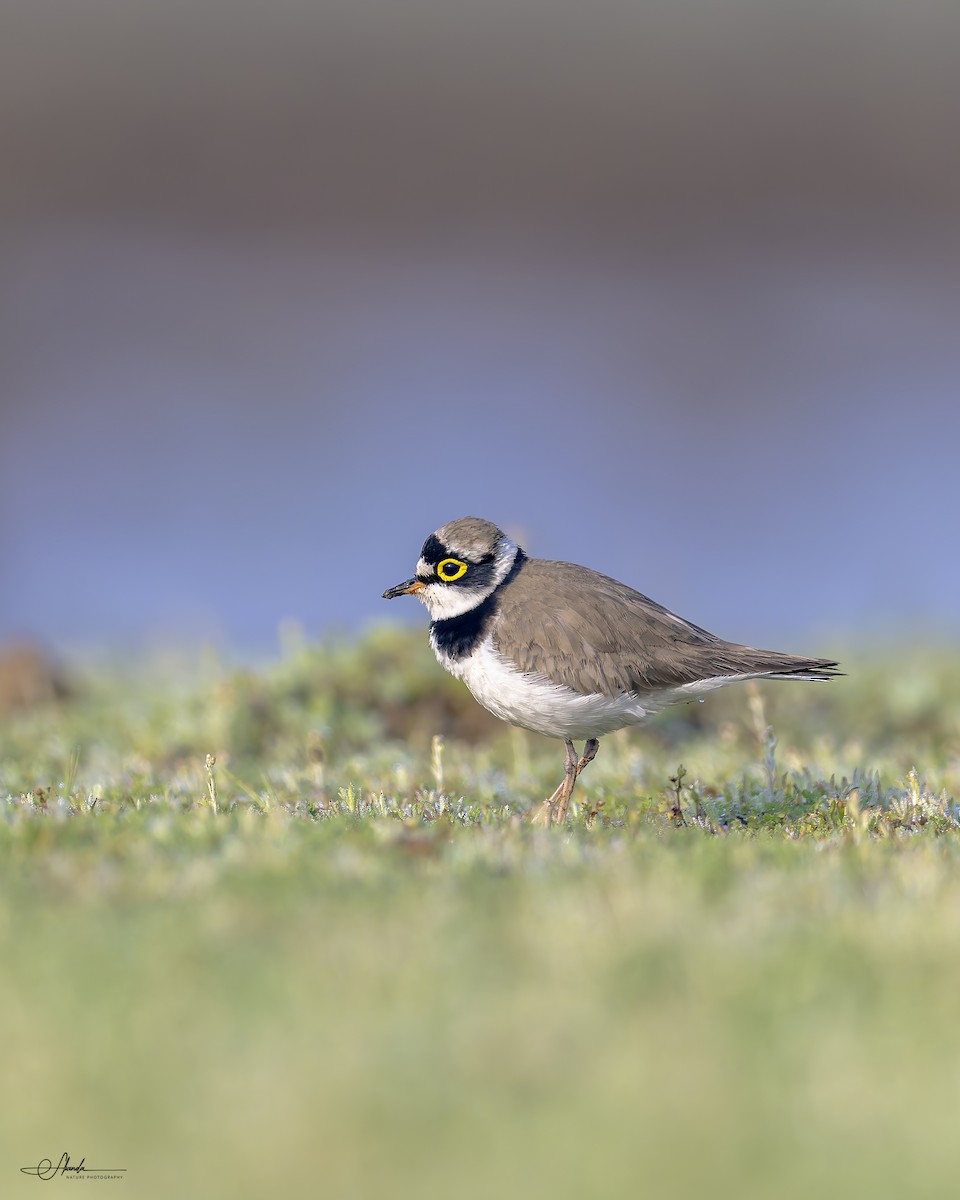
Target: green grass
x=337, y=962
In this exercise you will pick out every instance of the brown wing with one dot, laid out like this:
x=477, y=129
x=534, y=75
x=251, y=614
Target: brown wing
x=591, y=633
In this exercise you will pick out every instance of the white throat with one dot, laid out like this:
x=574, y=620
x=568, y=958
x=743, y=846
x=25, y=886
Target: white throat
x=443, y=601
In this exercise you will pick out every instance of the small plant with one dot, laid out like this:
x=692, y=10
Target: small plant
x=211, y=763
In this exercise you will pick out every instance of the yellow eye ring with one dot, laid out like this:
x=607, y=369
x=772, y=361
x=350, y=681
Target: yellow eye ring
x=451, y=569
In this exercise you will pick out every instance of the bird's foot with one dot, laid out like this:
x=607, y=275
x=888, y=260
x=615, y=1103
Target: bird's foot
x=542, y=816
x=546, y=813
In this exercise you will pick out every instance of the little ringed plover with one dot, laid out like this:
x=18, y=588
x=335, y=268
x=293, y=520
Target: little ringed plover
x=565, y=651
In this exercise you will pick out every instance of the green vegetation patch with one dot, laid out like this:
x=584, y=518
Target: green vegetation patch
x=263, y=933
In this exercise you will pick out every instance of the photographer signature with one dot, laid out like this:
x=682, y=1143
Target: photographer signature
x=46, y=1169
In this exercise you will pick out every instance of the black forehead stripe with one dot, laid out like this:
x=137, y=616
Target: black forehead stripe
x=434, y=550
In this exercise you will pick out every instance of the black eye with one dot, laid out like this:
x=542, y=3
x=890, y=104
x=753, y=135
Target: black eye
x=450, y=569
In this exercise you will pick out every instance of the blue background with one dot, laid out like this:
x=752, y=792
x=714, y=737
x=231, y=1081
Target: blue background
x=669, y=290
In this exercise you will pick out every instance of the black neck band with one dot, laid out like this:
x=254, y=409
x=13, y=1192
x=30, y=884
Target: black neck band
x=458, y=637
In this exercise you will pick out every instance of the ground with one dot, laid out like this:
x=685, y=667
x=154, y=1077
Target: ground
x=263, y=932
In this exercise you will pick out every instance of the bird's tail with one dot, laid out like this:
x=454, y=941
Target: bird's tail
x=770, y=664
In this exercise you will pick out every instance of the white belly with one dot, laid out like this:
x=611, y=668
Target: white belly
x=533, y=702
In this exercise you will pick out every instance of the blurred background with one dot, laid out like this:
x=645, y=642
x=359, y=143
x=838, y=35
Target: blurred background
x=670, y=289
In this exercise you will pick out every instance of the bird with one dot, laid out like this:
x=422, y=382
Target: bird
x=565, y=651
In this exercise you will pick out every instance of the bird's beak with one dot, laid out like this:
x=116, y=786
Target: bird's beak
x=404, y=589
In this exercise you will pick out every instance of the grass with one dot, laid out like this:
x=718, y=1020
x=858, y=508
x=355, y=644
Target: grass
x=262, y=933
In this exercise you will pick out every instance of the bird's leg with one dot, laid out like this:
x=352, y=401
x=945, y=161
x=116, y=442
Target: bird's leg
x=589, y=753
x=556, y=807
x=558, y=802
x=571, y=770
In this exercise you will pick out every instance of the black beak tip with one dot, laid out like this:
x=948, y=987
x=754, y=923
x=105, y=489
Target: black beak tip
x=400, y=590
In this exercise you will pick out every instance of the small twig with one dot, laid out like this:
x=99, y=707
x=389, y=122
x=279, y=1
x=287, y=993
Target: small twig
x=677, y=811
x=212, y=782
x=436, y=762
